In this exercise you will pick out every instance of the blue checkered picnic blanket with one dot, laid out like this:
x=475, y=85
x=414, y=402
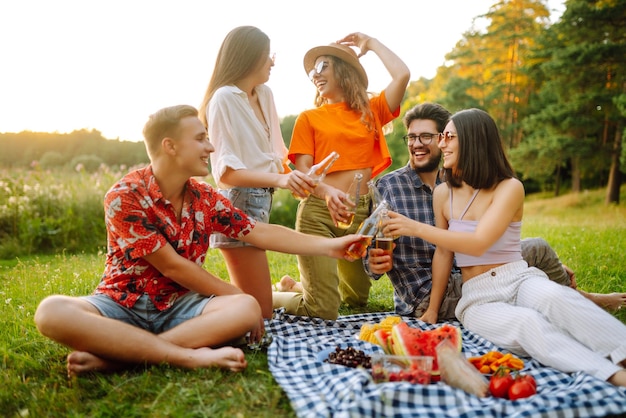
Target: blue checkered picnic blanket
x=319, y=389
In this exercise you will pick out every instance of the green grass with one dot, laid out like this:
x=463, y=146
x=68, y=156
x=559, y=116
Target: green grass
x=589, y=236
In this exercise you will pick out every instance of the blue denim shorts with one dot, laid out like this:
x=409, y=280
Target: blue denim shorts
x=146, y=316
x=256, y=202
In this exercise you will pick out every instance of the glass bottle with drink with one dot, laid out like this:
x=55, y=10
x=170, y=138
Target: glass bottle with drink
x=374, y=194
x=368, y=229
x=384, y=215
x=318, y=171
x=382, y=240
x=353, y=195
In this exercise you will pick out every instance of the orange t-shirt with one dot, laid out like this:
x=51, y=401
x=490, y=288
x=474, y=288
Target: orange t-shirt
x=336, y=127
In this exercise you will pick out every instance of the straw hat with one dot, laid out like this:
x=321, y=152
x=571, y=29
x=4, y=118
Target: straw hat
x=343, y=52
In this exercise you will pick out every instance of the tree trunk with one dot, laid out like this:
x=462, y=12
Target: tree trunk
x=575, y=175
x=557, y=181
x=615, y=175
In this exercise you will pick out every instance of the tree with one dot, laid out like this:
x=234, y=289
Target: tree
x=510, y=37
x=487, y=67
x=583, y=77
x=23, y=148
x=286, y=128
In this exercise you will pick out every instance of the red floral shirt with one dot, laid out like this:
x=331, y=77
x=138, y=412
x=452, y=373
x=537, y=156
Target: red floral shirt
x=140, y=220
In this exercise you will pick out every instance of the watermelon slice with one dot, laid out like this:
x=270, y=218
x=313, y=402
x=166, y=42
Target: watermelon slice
x=383, y=338
x=409, y=341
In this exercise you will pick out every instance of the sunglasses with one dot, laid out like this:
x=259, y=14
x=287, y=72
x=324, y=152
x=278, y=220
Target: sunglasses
x=321, y=66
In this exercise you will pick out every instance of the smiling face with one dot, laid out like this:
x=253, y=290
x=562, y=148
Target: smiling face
x=423, y=158
x=325, y=81
x=192, y=147
x=449, y=145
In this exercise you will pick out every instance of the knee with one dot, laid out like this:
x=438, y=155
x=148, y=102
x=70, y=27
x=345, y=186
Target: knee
x=325, y=313
x=533, y=248
x=250, y=306
x=48, y=311
x=536, y=241
x=550, y=297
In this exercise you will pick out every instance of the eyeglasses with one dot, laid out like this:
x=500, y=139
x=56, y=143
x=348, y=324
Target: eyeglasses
x=321, y=66
x=448, y=135
x=424, y=138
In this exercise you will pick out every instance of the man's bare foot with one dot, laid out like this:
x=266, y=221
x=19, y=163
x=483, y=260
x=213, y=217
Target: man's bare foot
x=288, y=284
x=80, y=362
x=225, y=357
x=609, y=301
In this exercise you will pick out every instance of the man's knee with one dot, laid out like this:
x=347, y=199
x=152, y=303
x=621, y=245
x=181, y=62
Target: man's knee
x=538, y=253
x=52, y=310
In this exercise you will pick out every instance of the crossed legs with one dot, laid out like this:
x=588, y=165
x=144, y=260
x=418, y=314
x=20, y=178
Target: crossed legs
x=105, y=344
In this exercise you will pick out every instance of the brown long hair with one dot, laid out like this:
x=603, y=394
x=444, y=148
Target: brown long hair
x=482, y=162
x=239, y=55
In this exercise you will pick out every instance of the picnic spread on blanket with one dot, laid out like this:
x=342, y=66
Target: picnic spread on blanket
x=299, y=355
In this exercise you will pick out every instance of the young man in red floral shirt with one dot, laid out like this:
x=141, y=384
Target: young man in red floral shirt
x=155, y=302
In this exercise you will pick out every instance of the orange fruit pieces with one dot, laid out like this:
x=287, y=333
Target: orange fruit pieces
x=491, y=361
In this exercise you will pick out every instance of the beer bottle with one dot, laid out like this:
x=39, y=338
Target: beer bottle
x=353, y=195
x=318, y=171
x=368, y=228
x=374, y=194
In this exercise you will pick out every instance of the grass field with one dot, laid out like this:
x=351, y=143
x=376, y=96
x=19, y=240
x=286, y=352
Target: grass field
x=589, y=236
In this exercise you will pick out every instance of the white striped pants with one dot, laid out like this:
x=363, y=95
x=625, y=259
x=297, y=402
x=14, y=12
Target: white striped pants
x=519, y=309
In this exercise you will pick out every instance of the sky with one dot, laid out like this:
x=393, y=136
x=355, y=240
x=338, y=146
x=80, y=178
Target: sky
x=108, y=64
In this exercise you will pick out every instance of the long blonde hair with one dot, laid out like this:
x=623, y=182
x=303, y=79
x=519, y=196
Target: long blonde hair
x=239, y=55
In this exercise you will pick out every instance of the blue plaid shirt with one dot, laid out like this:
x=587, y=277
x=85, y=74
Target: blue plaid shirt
x=411, y=274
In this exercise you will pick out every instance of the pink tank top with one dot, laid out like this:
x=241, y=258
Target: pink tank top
x=506, y=250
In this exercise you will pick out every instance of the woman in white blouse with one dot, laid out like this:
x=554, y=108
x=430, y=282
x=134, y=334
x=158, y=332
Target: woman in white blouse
x=250, y=157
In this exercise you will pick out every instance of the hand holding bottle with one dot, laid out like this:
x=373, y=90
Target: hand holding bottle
x=378, y=261
x=397, y=225
x=318, y=171
x=368, y=230
x=300, y=184
x=352, y=201
x=384, y=241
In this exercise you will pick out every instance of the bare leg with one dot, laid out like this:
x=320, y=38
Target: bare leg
x=619, y=378
x=77, y=324
x=288, y=284
x=609, y=301
x=249, y=271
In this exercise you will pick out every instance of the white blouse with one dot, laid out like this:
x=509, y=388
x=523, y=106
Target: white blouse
x=241, y=141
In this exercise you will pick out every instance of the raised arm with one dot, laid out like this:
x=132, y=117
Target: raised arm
x=399, y=71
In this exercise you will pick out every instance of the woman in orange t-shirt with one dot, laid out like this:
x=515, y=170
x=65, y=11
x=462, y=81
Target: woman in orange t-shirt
x=347, y=120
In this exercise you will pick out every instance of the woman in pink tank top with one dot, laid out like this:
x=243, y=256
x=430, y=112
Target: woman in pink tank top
x=478, y=216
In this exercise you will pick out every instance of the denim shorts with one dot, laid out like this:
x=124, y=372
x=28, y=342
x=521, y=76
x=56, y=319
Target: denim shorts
x=146, y=316
x=256, y=202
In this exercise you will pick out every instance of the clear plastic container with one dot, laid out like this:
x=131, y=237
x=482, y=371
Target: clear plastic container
x=391, y=368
